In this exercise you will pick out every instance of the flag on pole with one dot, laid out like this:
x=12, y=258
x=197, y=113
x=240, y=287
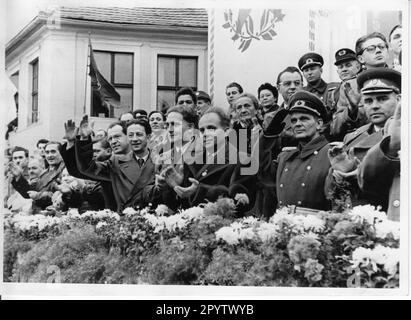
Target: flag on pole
x=104, y=88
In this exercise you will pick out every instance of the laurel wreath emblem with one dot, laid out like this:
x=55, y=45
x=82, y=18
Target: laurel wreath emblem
x=243, y=27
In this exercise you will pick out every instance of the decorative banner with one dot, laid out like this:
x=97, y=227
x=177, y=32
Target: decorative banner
x=243, y=26
x=251, y=46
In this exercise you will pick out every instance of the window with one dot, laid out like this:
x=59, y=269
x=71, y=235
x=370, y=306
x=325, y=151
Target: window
x=117, y=68
x=173, y=73
x=34, y=117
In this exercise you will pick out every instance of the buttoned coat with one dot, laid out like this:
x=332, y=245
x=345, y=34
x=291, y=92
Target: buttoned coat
x=379, y=179
x=131, y=184
x=362, y=140
x=104, y=187
x=215, y=180
x=301, y=176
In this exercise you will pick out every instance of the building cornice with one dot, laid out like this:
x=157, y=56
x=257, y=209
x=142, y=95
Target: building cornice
x=41, y=20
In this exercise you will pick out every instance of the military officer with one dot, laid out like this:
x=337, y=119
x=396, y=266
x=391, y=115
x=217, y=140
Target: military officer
x=348, y=115
x=311, y=66
x=302, y=171
x=381, y=89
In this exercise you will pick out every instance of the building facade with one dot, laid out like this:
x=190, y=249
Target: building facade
x=146, y=54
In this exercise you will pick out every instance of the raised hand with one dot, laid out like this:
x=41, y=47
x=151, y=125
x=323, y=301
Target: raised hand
x=353, y=97
x=394, y=131
x=189, y=191
x=15, y=170
x=86, y=128
x=277, y=125
x=70, y=130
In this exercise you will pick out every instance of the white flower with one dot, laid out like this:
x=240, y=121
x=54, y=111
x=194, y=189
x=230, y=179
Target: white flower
x=382, y=229
x=129, y=211
x=367, y=213
x=246, y=234
x=193, y=213
x=282, y=216
x=309, y=222
x=101, y=224
x=228, y=235
x=250, y=221
x=266, y=231
x=161, y=210
x=380, y=255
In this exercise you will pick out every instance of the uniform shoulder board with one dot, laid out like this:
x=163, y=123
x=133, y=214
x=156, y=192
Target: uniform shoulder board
x=285, y=149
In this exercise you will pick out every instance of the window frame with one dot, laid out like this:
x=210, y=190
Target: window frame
x=34, y=114
x=176, y=86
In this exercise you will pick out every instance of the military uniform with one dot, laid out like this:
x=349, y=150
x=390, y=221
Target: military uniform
x=344, y=120
x=366, y=144
x=379, y=179
x=301, y=172
x=322, y=89
x=363, y=139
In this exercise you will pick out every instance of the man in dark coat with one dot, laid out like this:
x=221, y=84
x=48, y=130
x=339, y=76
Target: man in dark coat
x=210, y=174
x=101, y=152
x=372, y=52
x=301, y=173
x=41, y=191
x=131, y=173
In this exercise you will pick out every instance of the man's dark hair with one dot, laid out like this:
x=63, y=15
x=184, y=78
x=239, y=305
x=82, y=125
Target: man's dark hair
x=141, y=122
x=269, y=87
x=17, y=148
x=41, y=141
x=54, y=142
x=156, y=111
x=236, y=85
x=224, y=119
x=358, y=44
x=186, y=91
x=104, y=143
x=122, y=124
x=393, y=29
x=289, y=69
x=189, y=114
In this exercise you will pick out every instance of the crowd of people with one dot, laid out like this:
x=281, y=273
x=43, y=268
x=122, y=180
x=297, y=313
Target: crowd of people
x=328, y=146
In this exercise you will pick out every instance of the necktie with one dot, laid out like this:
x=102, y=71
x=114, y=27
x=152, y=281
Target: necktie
x=140, y=162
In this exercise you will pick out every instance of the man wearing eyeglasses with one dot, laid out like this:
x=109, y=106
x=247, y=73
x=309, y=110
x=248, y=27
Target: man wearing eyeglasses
x=372, y=52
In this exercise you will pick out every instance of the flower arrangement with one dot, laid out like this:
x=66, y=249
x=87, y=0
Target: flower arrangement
x=207, y=245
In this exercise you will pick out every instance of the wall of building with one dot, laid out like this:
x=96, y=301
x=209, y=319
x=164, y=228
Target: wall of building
x=63, y=83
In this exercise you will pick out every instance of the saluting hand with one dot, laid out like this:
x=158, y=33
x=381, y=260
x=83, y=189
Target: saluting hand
x=276, y=126
x=394, y=131
x=189, y=191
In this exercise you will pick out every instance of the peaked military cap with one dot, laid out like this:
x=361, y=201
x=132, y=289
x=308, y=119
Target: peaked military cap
x=343, y=55
x=307, y=102
x=310, y=59
x=202, y=95
x=379, y=80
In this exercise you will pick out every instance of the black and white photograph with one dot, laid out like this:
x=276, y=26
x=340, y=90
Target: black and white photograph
x=162, y=148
